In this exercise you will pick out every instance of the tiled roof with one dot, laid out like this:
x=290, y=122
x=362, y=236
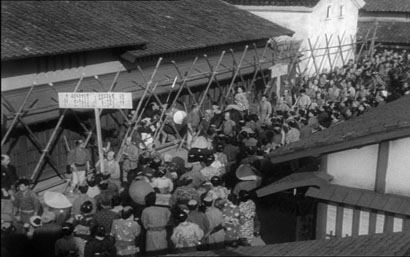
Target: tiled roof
x=305, y=3
x=361, y=197
x=42, y=27
x=36, y=28
x=294, y=180
x=387, y=32
x=387, y=6
x=386, y=244
x=382, y=123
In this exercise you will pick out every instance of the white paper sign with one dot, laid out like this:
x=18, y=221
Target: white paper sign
x=278, y=70
x=94, y=100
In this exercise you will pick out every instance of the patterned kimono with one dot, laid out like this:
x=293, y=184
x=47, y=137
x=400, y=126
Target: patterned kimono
x=248, y=210
x=216, y=219
x=231, y=214
x=186, y=235
x=155, y=220
x=125, y=232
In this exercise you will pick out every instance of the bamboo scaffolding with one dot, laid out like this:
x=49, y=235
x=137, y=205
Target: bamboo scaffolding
x=130, y=129
x=36, y=171
x=112, y=86
x=17, y=114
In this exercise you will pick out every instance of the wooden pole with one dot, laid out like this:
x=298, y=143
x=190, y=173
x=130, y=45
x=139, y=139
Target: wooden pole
x=212, y=78
x=114, y=82
x=337, y=53
x=340, y=41
x=363, y=43
x=99, y=139
x=52, y=137
x=17, y=114
x=310, y=56
x=238, y=67
x=131, y=128
x=313, y=56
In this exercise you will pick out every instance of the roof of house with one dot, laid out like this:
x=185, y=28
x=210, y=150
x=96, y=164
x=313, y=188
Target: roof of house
x=386, y=244
x=387, y=32
x=387, y=6
x=305, y=3
x=387, y=121
x=36, y=28
x=361, y=197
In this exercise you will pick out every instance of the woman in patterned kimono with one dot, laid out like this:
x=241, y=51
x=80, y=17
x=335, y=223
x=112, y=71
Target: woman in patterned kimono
x=232, y=215
x=248, y=210
x=125, y=230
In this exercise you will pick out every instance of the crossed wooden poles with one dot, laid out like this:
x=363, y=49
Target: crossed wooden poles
x=182, y=80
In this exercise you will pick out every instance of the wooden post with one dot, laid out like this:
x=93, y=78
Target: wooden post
x=238, y=67
x=114, y=82
x=373, y=40
x=16, y=114
x=310, y=56
x=337, y=53
x=212, y=78
x=363, y=43
x=99, y=139
x=52, y=137
x=327, y=51
x=313, y=56
x=131, y=128
x=340, y=41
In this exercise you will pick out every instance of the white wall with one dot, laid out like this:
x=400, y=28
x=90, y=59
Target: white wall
x=398, y=168
x=312, y=23
x=354, y=168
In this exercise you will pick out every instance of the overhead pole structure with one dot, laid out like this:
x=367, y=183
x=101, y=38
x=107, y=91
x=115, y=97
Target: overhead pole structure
x=130, y=129
x=185, y=79
x=17, y=114
x=237, y=71
x=50, y=142
x=113, y=84
x=34, y=139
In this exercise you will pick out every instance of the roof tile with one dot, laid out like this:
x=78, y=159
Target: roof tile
x=305, y=3
x=387, y=6
x=35, y=28
x=387, y=32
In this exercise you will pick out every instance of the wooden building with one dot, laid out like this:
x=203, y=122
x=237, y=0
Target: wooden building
x=120, y=46
x=362, y=186
x=320, y=24
x=389, y=20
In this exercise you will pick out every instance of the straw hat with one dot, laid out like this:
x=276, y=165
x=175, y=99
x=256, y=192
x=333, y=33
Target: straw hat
x=245, y=172
x=56, y=200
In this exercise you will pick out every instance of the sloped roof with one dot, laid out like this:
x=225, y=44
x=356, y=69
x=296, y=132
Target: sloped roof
x=386, y=244
x=305, y=3
x=387, y=6
x=361, y=197
x=37, y=28
x=387, y=32
x=388, y=121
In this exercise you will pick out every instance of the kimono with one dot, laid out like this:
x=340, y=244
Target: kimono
x=231, y=214
x=186, y=235
x=216, y=237
x=248, y=210
x=125, y=232
x=155, y=219
x=27, y=204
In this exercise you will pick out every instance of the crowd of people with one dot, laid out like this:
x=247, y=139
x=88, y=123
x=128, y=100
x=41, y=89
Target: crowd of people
x=201, y=198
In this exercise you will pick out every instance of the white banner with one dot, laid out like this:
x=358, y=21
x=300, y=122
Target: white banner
x=94, y=100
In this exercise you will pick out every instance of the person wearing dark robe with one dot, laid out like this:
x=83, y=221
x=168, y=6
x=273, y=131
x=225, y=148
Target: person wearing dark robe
x=8, y=179
x=198, y=217
x=68, y=245
x=100, y=245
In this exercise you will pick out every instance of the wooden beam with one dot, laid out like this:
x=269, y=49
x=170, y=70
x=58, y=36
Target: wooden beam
x=381, y=169
x=50, y=142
